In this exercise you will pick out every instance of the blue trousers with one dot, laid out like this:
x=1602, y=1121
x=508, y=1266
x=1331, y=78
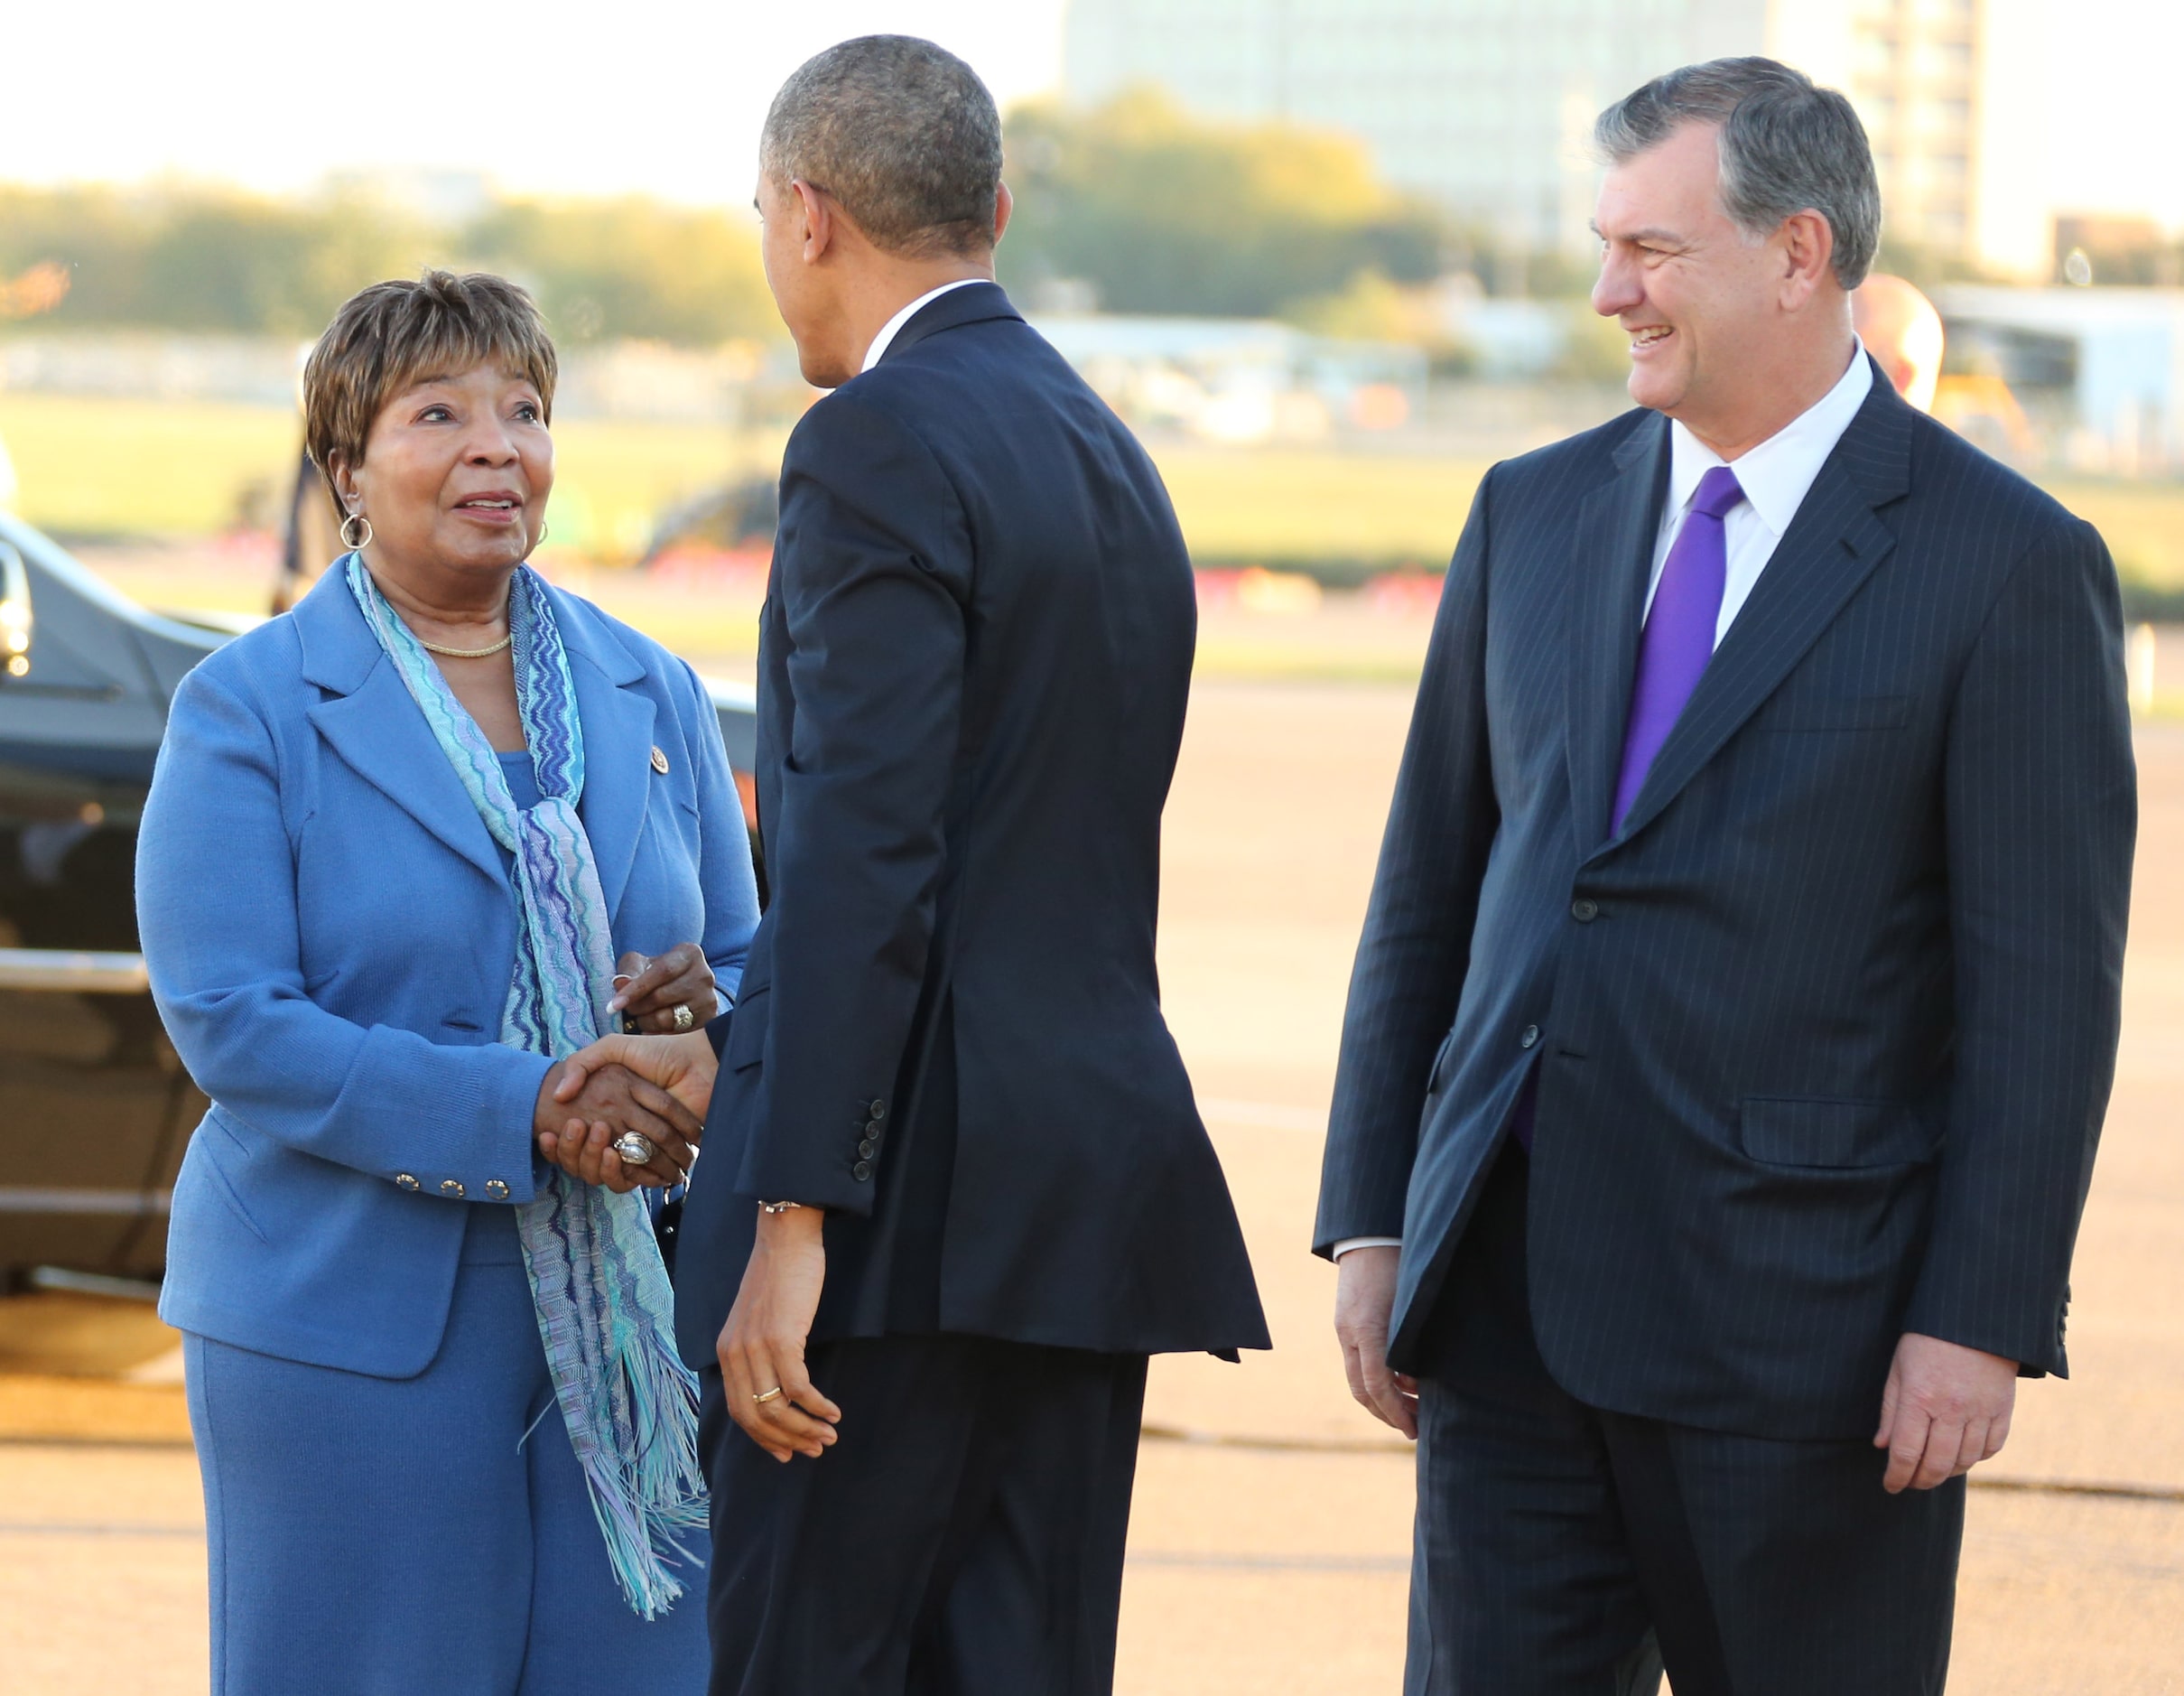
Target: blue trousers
x=406, y=1537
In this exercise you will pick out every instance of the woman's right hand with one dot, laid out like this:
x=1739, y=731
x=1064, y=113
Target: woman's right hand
x=578, y=1135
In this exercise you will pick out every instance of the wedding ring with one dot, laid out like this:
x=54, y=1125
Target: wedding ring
x=768, y=1396
x=635, y=1148
x=685, y=1018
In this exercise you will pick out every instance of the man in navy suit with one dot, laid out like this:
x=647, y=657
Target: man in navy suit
x=954, y=1189
x=1738, y=1002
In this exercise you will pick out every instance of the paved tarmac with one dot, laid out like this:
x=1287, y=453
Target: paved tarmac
x=1269, y=1545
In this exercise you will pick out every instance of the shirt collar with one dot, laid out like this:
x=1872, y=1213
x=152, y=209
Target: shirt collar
x=893, y=327
x=1776, y=475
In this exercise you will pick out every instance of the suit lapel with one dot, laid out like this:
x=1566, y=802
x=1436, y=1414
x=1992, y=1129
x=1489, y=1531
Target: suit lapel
x=381, y=733
x=1611, y=549
x=618, y=723
x=1833, y=545
x=373, y=725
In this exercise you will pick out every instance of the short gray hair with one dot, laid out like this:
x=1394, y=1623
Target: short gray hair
x=1788, y=145
x=902, y=133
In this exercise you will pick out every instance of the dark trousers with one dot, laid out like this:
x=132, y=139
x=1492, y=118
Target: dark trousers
x=1564, y=1551
x=963, y=1537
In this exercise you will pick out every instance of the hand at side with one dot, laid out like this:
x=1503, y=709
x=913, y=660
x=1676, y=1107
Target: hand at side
x=1364, y=1302
x=1945, y=1409
x=761, y=1346
x=577, y=1119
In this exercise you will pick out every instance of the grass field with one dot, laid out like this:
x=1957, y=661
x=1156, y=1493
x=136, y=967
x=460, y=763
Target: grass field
x=128, y=470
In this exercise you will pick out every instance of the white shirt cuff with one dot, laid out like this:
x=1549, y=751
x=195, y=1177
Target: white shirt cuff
x=1349, y=1242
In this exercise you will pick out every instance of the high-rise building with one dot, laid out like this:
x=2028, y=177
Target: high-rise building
x=1488, y=105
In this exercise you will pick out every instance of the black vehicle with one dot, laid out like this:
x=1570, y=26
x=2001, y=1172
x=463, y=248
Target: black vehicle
x=95, y=1107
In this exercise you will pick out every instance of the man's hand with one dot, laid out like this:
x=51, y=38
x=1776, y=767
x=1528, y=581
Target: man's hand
x=684, y=1066
x=1945, y=1409
x=761, y=1346
x=576, y=1121
x=1364, y=1300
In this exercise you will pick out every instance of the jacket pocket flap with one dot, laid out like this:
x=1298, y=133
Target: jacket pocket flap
x=1816, y=1130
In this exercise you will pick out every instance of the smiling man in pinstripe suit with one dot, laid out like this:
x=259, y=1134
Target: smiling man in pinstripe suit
x=1737, y=1006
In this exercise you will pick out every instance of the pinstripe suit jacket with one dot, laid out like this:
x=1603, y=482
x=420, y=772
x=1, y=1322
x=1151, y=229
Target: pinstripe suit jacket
x=1826, y=1034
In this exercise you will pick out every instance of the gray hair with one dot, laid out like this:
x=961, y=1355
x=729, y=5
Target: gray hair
x=1788, y=145
x=901, y=133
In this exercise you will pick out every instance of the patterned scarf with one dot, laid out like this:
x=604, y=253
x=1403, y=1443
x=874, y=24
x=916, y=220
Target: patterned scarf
x=604, y=1306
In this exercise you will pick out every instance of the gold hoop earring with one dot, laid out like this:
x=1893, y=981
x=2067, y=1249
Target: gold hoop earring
x=542, y=536
x=349, y=525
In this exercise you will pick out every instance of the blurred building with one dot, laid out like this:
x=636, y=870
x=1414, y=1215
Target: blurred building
x=1236, y=380
x=1488, y=105
x=2096, y=374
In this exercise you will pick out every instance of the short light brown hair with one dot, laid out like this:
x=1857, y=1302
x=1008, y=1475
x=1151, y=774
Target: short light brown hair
x=902, y=133
x=387, y=336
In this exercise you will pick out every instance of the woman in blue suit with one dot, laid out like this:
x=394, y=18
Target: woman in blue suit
x=396, y=842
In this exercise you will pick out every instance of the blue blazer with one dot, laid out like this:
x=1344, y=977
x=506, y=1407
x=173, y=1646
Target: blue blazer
x=330, y=934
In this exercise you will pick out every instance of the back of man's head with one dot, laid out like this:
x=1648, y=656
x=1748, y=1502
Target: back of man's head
x=901, y=134
x=1901, y=327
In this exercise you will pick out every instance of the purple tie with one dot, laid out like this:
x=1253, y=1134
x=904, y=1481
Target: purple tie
x=1678, y=639
x=1672, y=655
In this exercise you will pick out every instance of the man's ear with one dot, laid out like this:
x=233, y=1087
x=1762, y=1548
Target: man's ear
x=817, y=214
x=1808, y=251
x=1004, y=208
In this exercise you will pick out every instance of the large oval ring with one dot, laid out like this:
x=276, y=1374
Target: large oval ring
x=685, y=1018
x=635, y=1148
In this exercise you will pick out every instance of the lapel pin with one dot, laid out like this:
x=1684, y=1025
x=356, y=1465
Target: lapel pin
x=659, y=762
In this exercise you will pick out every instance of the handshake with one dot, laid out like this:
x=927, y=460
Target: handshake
x=652, y=1089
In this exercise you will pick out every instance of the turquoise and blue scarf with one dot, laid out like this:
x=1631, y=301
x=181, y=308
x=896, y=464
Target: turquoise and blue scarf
x=604, y=1306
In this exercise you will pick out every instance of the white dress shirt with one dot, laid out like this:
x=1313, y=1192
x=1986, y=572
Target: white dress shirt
x=1774, y=477
x=893, y=327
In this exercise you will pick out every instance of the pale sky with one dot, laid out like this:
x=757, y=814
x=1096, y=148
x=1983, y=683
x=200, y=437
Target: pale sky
x=598, y=96
x=665, y=96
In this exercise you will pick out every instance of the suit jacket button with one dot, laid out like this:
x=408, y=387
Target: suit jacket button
x=451, y=1187
x=1584, y=911
x=879, y=1111
x=867, y=1148
x=659, y=761
x=1530, y=1038
x=403, y=1180
x=872, y=1128
x=497, y=1189
x=862, y=1171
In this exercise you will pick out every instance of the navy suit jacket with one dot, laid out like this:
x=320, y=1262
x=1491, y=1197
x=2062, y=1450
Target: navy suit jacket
x=1825, y=1035
x=973, y=665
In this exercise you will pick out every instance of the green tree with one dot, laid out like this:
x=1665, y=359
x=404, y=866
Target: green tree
x=631, y=266
x=203, y=260
x=222, y=260
x=1162, y=212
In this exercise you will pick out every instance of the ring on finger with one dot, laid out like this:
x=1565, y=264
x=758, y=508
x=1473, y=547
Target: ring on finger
x=635, y=1148
x=685, y=1018
x=762, y=1399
